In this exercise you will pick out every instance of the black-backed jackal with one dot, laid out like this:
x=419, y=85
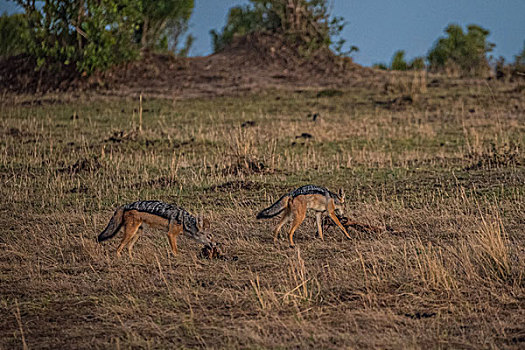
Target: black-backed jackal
x=158, y=215
x=295, y=203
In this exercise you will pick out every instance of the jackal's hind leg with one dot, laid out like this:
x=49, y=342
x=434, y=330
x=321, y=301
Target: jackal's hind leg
x=284, y=220
x=131, y=225
x=134, y=240
x=299, y=213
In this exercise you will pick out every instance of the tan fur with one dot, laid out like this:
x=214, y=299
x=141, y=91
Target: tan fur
x=132, y=221
x=296, y=208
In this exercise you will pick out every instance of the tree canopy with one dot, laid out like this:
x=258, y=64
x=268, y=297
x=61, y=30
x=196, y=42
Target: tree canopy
x=13, y=34
x=466, y=52
x=306, y=23
x=163, y=23
x=96, y=34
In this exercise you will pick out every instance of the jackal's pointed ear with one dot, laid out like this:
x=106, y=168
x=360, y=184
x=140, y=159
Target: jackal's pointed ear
x=342, y=194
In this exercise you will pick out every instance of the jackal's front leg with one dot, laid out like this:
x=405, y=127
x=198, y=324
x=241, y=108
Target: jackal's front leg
x=331, y=213
x=173, y=231
x=319, y=225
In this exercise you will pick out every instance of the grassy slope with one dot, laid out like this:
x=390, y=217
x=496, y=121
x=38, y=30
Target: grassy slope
x=445, y=170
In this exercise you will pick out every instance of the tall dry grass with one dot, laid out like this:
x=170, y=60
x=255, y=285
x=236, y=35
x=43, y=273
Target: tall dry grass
x=445, y=171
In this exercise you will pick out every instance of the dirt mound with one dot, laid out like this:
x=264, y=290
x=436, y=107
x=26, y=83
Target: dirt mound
x=273, y=50
x=19, y=74
x=250, y=63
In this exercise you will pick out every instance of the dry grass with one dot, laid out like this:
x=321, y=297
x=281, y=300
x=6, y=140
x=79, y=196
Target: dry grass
x=445, y=170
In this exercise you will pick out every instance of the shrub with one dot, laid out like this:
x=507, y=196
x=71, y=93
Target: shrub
x=305, y=23
x=511, y=71
x=90, y=34
x=381, y=66
x=418, y=63
x=398, y=61
x=96, y=34
x=14, y=35
x=466, y=52
x=243, y=20
x=163, y=23
x=519, y=62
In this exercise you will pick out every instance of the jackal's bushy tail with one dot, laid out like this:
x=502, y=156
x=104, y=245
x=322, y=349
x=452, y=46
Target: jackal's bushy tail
x=275, y=209
x=114, y=225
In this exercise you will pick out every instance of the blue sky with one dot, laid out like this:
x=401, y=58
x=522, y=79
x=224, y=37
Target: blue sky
x=380, y=27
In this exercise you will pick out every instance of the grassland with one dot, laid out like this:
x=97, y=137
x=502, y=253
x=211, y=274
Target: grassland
x=444, y=167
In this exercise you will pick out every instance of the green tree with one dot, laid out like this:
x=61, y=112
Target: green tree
x=519, y=60
x=164, y=22
x=243, y=20
x=90, y=34
x=466, y=51
x=418, y=63
x=305, y=23
x=380, y=65
x=398, y=61
x=518, y=67
x=14, y=34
